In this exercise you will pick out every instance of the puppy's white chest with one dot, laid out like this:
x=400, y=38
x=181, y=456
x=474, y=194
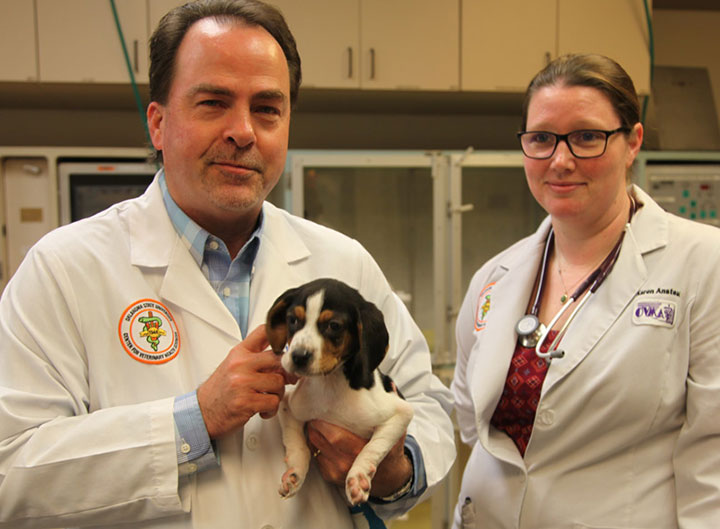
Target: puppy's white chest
x=330, y=398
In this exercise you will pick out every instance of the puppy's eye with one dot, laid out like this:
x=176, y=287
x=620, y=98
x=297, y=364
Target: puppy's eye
x=292, y=319
x=334, y=326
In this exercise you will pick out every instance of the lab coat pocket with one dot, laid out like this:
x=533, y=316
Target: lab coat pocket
x=467, y=514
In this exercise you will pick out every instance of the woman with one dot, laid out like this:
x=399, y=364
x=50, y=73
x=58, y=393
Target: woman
x=613, y=421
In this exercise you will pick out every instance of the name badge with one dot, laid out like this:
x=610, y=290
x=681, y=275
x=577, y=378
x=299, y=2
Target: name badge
x=657, y=312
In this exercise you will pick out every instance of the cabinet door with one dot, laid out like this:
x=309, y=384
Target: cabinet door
x=328, y=40
x=618, y=30
x=17, y=41
x=78, y=40
x=504, y=44
x=410, y=44
x=157, y=9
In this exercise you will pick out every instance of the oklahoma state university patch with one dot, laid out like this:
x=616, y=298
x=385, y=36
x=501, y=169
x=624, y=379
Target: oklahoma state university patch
x=483, y=306
x=148, y=332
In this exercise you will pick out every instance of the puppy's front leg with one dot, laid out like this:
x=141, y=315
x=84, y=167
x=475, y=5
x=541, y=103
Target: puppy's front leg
x=297, y=453
x=359, y=478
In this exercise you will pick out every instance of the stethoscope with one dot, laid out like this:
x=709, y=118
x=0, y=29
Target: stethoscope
x=531, y=332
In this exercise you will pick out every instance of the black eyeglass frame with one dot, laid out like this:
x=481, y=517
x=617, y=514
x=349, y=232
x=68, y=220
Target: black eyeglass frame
x=564, y=137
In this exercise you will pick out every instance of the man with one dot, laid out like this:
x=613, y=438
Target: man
x=130, y=390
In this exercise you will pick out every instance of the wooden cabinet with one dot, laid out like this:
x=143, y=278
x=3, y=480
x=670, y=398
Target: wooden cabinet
x=504, y=44
x=376, y=44
x=616, y=28
x=328, y=40
x=18, y=52
x=78, y=41
x=156, y=10
x=426, y=45
x=410, y=44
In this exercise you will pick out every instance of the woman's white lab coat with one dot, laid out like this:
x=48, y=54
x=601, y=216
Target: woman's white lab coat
x=86, y=429
x=627, y=431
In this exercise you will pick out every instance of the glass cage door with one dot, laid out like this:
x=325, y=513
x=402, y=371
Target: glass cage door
x=491, y=208
x=385, y=201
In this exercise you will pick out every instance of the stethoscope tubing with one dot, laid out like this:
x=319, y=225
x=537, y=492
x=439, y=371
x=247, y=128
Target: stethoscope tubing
x=594, y=281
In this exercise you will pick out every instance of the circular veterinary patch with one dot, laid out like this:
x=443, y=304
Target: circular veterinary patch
x=483, y=306
x=148, y=332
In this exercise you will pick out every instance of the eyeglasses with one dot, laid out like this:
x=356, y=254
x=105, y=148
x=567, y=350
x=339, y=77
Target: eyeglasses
x=588, y=143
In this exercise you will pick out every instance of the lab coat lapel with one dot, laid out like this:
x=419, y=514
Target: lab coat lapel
x=648, y=231
x=187, y=287
x=276, y=265
x=155, y=244
x=509, y=301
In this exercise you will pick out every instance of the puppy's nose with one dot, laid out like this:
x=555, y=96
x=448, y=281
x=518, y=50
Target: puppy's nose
x=301, y=357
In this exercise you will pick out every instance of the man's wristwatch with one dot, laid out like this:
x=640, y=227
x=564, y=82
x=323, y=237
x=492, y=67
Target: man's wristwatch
x=406, y=487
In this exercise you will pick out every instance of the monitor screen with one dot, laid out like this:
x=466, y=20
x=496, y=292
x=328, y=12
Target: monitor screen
x=90, y=195
x=87, y=187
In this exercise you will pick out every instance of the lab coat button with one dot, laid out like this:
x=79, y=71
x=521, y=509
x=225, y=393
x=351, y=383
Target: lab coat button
x=251, y=442
x=185, y=448
x=192, y=467
x=547, y=417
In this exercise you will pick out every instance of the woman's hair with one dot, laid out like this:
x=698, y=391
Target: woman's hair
x=595, y=71
x=172, y=28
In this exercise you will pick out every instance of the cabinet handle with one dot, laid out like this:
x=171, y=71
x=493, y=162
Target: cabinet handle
x=372, y=63
x=135, y=56
x=350, y=59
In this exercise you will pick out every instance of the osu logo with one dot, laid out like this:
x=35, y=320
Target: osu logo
x=148, y=332
x=483, y=307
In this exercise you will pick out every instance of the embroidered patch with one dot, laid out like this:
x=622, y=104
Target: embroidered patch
x=483, y=307
x=654, y=312
x=148, y=332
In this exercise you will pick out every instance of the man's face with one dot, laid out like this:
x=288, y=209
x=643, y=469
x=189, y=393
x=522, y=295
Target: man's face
x=223, y=131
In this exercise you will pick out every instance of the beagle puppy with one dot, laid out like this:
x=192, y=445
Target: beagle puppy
x=334, y=340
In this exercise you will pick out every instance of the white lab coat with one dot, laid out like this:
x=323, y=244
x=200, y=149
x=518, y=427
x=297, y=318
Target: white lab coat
x=87, y=431
x=627, y=431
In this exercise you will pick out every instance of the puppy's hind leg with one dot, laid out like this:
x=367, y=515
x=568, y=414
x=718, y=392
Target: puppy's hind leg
x=359, y=478
x=297, y=453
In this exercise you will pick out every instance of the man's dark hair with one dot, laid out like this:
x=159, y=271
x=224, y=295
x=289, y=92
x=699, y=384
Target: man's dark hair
x=172, y=28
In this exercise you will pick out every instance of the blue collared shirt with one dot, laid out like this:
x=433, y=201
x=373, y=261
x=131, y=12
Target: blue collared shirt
x=230, y=278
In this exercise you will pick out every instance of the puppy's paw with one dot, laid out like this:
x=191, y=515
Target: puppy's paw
x=357, y=485
x=290, y=483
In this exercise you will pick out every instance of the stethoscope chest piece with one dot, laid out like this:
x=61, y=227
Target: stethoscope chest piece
x=529, y=330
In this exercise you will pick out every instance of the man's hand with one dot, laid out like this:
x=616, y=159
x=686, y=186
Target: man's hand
x=337, y=448
x=250, y=380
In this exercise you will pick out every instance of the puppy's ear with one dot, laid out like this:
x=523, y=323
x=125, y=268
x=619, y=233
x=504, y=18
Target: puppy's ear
x=372, y=339
x=374, y=336
x=276, y=324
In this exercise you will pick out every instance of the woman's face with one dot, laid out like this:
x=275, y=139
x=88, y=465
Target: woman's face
x=587, y=191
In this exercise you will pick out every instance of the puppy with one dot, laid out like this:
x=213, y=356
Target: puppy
x=334, y=340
